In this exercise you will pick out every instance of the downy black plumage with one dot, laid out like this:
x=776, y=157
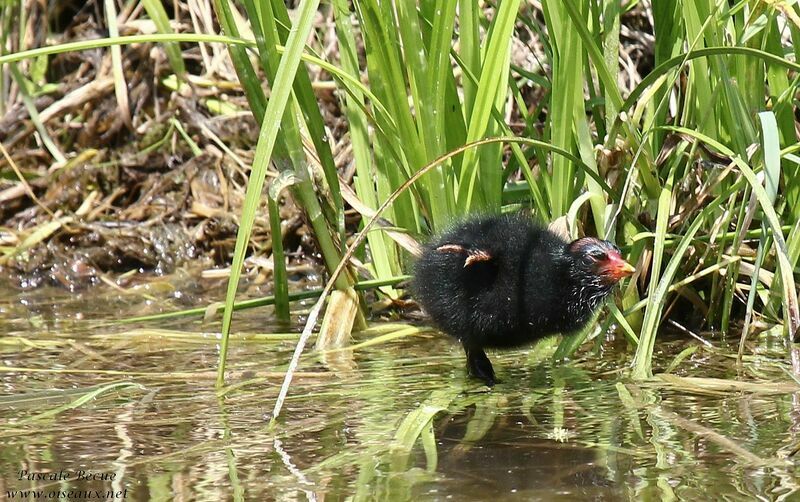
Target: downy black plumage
x=505, y=281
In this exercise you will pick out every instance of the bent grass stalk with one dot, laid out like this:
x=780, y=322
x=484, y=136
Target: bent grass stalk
x=677, y=61
x=359, y=238
x=269, y=130
x=789, y=296
x=643, y=358
x=652, y=84
x=218, y=307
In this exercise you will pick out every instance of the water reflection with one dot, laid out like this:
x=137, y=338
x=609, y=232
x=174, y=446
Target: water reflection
x=404, y=423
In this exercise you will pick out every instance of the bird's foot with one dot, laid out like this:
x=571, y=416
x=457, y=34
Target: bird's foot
x=479, y=366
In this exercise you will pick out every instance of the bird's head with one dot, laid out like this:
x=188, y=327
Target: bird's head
x=600, y=259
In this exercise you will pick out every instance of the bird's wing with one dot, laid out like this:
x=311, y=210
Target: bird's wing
x=473, y=255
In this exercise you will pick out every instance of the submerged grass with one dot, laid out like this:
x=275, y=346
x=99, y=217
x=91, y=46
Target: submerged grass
x=402, y=424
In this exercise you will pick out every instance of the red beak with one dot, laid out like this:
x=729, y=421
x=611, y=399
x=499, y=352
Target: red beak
x=618, y=267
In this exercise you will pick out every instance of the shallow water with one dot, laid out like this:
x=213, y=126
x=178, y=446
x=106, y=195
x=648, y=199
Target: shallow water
x=138, y=409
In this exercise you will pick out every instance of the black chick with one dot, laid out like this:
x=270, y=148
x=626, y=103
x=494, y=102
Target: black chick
x=505, y=281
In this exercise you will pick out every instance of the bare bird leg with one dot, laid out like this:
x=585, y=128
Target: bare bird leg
x=479, y=365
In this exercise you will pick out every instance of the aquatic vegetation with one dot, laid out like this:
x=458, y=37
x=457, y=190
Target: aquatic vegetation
x=338, y=138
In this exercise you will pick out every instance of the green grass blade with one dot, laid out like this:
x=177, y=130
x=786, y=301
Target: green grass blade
x=611, y=28
x=266, y=141
x=80, y=401
x=658, y=284
x=383, y=251
x=241, y=62
x=489, y=88
x=307, y=102
x=642, y=361
x=155, y=10
x=791, y=311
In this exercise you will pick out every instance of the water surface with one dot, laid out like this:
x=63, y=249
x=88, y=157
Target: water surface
x=135, y=408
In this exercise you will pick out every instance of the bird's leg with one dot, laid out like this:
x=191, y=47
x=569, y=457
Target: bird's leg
x=479, y=365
